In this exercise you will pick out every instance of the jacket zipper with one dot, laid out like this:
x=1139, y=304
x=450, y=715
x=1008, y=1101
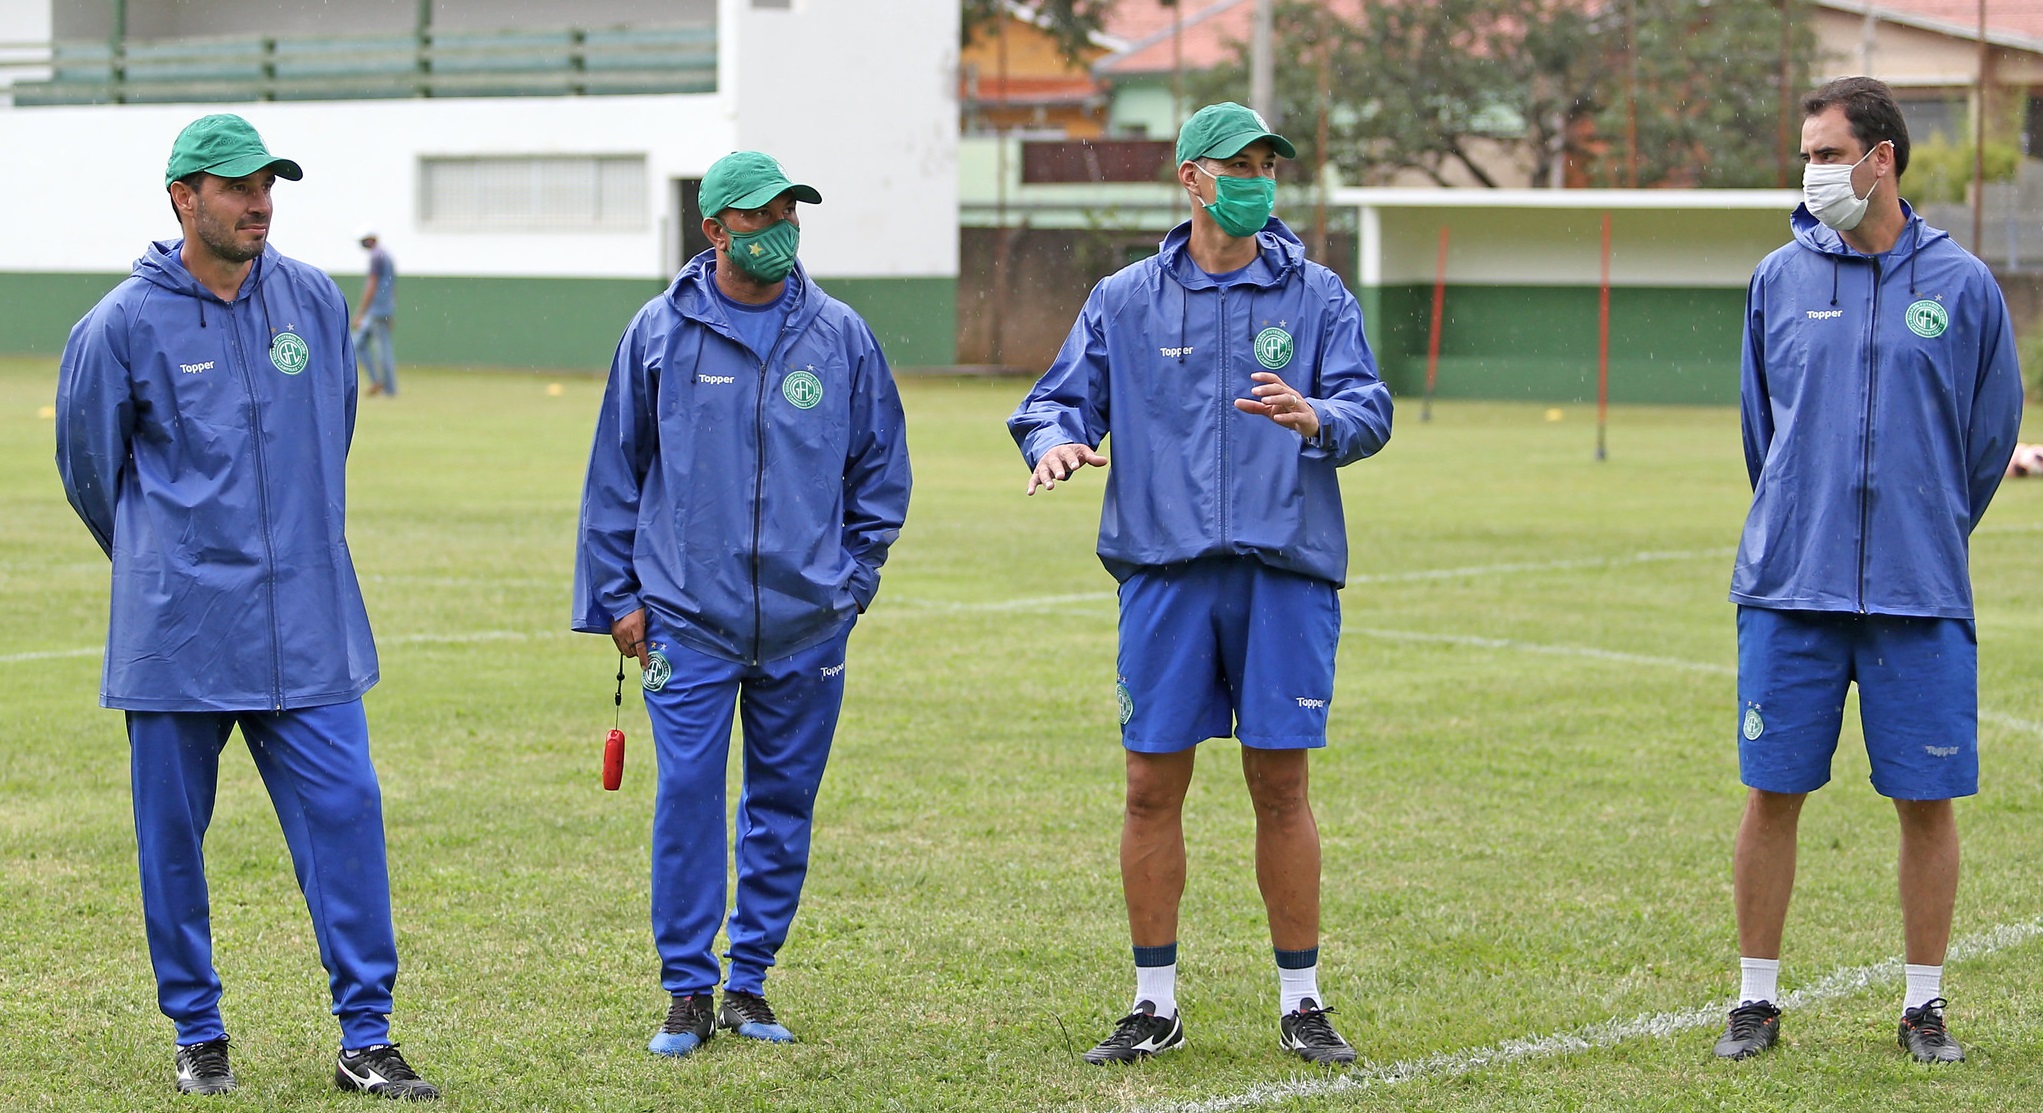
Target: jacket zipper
x=1866, y=451
x=263, y=504
x=759, y=490
x=1220, y=486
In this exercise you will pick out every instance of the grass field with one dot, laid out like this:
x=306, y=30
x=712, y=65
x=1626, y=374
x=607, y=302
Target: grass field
x=1527, y=803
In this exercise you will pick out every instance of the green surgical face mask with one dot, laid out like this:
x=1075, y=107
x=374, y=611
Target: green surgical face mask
x=767, y=254
x=1241, y=206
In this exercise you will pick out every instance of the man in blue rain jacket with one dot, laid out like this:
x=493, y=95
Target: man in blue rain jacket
x=204, y=413
x=1234, y=377
x=749, y=472
x=1881, y=400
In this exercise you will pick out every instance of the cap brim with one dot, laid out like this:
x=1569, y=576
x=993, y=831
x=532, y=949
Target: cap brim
x=1233, y=144
x=760, y=197
x=243, y=167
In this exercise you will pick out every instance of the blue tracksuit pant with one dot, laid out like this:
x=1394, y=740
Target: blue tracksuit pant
x=315, y=763
x=789, y=708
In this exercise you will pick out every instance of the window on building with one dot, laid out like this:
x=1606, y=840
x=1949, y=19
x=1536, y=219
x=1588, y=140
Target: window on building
x=603, y=193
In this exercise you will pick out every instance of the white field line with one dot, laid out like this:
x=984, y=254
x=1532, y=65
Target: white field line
x=1542, y=647
x=49, y=655
x=1044, y=602
x=1450, y=1064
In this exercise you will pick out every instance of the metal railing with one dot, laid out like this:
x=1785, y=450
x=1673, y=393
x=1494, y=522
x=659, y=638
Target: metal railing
x=568, y=61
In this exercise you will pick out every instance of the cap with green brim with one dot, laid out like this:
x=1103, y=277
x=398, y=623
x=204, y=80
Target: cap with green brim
x=748, y=180
x=226, y=146
x=1222, y=130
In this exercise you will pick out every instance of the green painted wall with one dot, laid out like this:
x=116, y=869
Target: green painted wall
x=1538, y=343
x=569, y=324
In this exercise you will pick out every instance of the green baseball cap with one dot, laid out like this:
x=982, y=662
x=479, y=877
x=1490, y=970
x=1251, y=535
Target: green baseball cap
x=1221, y=130
x=225, y=145
x=748, y=180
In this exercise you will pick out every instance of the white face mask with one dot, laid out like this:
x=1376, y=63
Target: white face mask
x=1826, y=190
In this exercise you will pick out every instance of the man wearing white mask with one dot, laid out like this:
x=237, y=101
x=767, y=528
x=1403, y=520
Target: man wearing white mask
x=1881, y=399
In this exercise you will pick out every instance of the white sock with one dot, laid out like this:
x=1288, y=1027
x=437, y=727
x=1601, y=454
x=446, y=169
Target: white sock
x=1157, y=985
x=1295, y=986
x=1759, y=979
x=1925, y=984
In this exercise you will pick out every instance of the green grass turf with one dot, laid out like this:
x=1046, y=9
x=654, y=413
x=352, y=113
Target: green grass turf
x=1517, y=842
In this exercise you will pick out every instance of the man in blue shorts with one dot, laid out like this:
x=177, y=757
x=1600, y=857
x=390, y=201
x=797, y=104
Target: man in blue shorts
x=1234, y=377
x=748, y=476
x=1881, y=400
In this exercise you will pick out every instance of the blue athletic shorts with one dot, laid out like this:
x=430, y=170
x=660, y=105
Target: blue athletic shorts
x=1226, y=646
x=1918, y=684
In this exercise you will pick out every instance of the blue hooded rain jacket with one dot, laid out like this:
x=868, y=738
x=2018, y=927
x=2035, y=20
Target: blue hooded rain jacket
x=746, y=501
x=1158, y=356
x=205, y=444
x=1881, y=402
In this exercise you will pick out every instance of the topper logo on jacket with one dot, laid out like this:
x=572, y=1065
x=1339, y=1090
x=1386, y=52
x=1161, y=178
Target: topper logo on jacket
x=195, y=368
x=1825, y=314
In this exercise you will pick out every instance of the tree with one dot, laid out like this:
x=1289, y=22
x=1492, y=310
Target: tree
x=1070, y=22
x=1422, y=85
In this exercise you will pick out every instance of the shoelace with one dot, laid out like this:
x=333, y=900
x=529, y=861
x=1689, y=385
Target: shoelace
x=1748, y=1021
x=1928, y=1018
x=682, y=1014
x=386, y=1061
x=208, y=1059
x=1315, y=1023
x=1128, y=1030
x=750, y=1006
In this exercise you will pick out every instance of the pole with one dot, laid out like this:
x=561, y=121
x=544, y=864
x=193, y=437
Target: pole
x=1177, y=91
x=1261, y=95
x=1319, y=157
x=1978, y=243
x=1603, y=345
x=996, y=348
x=117, y=70
x=1631, y=96
x=1439, y=312
x=1787, y=139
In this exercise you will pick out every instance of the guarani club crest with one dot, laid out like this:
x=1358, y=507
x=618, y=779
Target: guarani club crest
x=289, y=353
x=1273, y=347
x=802, y=388
x=1927, y=319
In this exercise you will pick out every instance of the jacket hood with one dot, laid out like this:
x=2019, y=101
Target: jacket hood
x=1281, y=253
x=1819, y=237
x=692, y=294
x=162, y=266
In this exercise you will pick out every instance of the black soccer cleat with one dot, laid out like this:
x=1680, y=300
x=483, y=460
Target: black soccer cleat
x=1924, y=1036
x=381, y=1070
x=1139, y=1035
x=202, y=1068
x=748, y=1015
x=1307, y=1032
x=1753, y=1027
x=691, y=1020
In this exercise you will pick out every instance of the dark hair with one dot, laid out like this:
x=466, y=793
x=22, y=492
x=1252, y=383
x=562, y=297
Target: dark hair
x=191, y=181
x=1869, y=107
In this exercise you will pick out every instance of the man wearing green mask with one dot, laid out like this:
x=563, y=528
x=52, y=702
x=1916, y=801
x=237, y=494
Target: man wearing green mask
x=1223, y=524
x=749, y=472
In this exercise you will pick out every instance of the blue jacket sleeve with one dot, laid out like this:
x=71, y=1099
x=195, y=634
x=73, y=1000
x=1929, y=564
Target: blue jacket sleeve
x=626, y=444
x=876, y=477
x=1996, y=418
x=1754, y=406
x=1068, y=405
x=95, y=418
x=1353, y=405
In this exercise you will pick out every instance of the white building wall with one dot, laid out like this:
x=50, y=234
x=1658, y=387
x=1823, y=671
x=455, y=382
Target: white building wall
x=857, y=99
